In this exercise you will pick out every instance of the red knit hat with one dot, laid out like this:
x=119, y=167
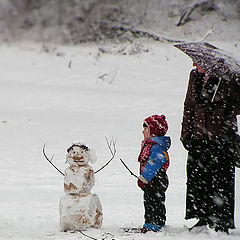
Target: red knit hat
x=157, y=125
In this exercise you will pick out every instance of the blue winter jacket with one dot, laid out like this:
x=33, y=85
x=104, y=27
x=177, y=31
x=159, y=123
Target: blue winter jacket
x=157, y=158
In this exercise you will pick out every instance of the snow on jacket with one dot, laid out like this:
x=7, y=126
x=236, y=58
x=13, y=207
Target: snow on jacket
x=153, y=157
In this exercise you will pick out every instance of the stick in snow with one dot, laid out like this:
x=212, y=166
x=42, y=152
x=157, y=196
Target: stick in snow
x=85, y=235
x=104, y=236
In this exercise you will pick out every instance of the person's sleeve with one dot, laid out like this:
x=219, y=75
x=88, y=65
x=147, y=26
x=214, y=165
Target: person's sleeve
x=187, y=121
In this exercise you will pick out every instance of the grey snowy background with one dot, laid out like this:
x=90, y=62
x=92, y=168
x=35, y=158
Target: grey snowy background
x=75, y=21
x=63, y=81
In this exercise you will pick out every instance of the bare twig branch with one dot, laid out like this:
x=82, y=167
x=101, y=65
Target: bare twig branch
x=103, y=76
x=112, y=148
x=70, y=64
x=208, y=5
x=139, y=34
x=108, y=77
x=185, y=16
x=50, y=160
x=114, y=75
x=144, y=13
x=128, y=168
x=85, y=235
x=104, y=236
x=209, y=32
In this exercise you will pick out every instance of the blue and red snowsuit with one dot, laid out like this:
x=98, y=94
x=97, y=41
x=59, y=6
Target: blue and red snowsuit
x=154, y=161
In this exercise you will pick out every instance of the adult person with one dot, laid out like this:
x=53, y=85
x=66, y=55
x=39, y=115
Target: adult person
x=208, y=128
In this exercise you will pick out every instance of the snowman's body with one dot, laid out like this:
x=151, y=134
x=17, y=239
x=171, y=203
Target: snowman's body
x=79, y=209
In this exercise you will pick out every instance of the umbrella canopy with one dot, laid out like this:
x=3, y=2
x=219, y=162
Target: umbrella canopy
x=214, y=61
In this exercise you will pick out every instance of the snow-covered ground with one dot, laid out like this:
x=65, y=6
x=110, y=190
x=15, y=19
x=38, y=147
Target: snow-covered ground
x=81, y=94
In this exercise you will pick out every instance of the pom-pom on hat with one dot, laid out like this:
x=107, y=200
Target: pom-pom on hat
x=157, y=125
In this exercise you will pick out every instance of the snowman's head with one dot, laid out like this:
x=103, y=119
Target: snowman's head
x=79, y=154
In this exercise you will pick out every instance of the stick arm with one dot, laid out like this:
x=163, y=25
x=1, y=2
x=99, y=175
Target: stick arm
x=50, y=160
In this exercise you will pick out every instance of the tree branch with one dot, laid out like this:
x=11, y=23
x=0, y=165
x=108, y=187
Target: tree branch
x=143, y=34
x=204, y=5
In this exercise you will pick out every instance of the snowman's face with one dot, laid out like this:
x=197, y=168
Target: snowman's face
x=77, y=156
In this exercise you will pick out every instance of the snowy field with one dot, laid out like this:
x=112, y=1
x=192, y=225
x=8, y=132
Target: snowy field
x=79, y=93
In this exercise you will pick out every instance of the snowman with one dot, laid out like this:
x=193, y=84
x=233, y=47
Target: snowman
x=79, y=209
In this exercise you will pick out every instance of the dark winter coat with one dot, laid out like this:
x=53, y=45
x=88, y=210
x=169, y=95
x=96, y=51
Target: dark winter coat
x=210, y=184
x=209, y=124
x=206, y=116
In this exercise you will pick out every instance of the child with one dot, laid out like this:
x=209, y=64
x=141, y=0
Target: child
x=153, y=180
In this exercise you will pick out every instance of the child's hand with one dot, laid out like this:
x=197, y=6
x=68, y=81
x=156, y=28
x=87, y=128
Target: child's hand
x=140, y=184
